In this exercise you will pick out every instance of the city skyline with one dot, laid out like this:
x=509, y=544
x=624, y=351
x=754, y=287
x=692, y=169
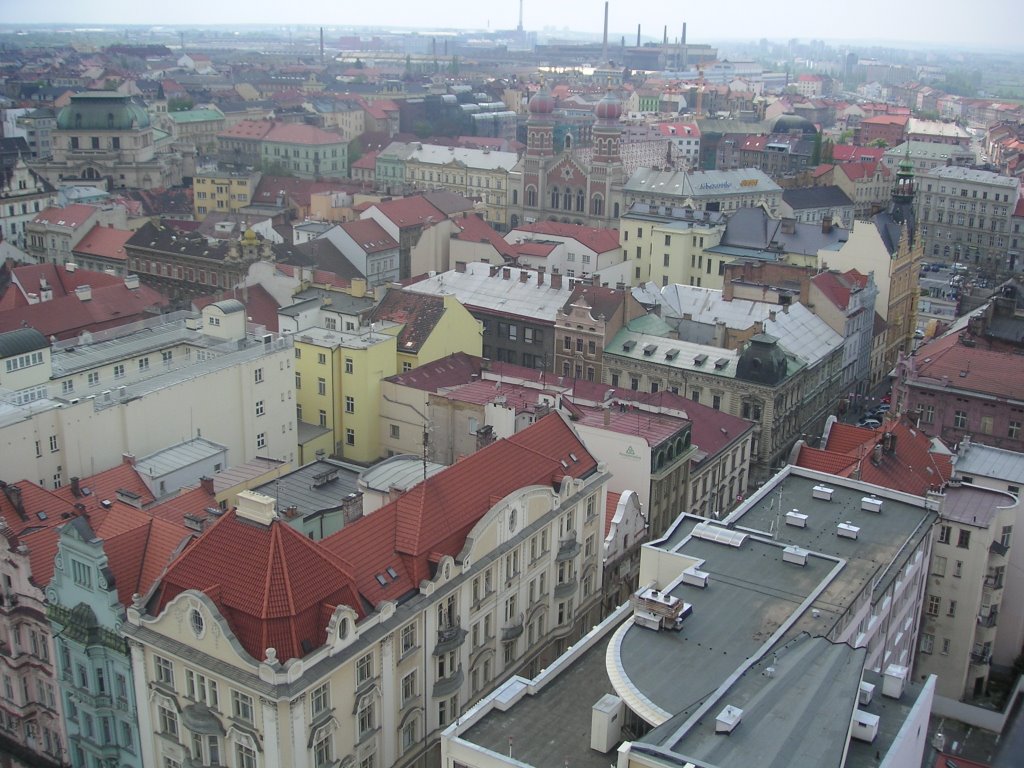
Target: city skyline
x=802, y=19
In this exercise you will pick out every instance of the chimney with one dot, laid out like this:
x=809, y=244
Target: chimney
x=128, y=458
x=460, y=266
x=494, y=270
x=540, y=276
x=604, y=47
x=556, y=279
x=637, y=35
x=524, y=276
x=607, y=416
x=506, y=273
x=131, y=282
x=13, y=494
x=84, y=293
x=256, y=507
x=771, y=315
x=76, y=487
x=826, y=224
x=70, y=266
x=206, y=483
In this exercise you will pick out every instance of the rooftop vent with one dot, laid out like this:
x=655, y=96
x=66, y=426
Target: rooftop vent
x=695, y=578
x=720, y=363
x=323, y=478
x=865, y=726
x=671, y=354
x=628, y=345
x=871, y=504
x=727, y=720
x=794, y=555
x=894, y=681
x=654, y=609
x=822, y=492
x=650, y=349
x=847, y=530
x=700, y=359
x=256, y=507
x=865, y=694
x=796, y=518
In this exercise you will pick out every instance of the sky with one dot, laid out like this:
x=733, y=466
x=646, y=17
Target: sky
x=984, y=23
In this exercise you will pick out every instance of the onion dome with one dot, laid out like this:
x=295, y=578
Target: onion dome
x=608, y=108
x=542, y=103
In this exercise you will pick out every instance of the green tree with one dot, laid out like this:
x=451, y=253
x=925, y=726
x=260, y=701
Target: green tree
x=180, y=104
x=816, y=152
x=882, y=143
x=828, y=154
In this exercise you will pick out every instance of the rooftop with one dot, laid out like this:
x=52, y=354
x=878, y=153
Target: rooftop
x=701, y=184
x=315, y=487
x=597, y=239
x=957, y=173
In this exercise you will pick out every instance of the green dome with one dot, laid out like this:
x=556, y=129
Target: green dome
x=102, y=111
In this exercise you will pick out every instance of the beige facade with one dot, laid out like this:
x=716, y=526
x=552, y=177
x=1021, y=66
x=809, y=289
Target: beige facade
x=91, y=405
x=669, y=246
x=477, y=174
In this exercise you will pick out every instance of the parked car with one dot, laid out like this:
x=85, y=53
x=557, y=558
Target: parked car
x=869, y=423
x=883, y=408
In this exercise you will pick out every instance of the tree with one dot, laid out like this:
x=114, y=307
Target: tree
x=179, y=104
x=816, y=152
x=828, y=155
x=882, y=143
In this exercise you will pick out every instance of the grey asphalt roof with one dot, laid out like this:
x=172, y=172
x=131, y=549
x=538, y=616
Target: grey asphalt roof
x=976, y=507
x=178, y=456
x=755, y=228
x=892, y=714
x=302, y=488
x=474, y=159
x=957, y=173
x=401, y=472
x=798, y=330
x=801, y=198
x=798, y=716
x=986, y=461
x=699, y=184
x=241, y=473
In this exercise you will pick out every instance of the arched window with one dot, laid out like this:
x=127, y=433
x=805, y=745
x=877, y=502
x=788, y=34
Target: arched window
x=531, y=197
x=514, y=221
x=568, y=141
x=615, y=214
x=554, y=197
x=515, y=197
x=597, y=205
x=579, y=201
x=567, y=199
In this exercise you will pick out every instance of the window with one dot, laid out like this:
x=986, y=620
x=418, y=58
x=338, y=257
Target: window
x=257, y=374
x=945, y=533
x=927, y=642
x=320, y=701
x=261, y=441
x=298, y=380
x=164, y=670
x=963, y=539
x=199, y=687
x=960, y=419
x=408, y=638
x=350, y=404
x=81, y=573
x=241, y=706
x=53, y=444
x=409, y=735
x=94, y=378
x=928, y=415
x=1006, y=535
x=933, y=605
x=395, y=431
x=323, y=751
x=958, y=569
x=321, y=386
x=366, y=715
x=323, y=418
x=349, y=365
x=447, y=710
x=350, y=437
x=298, y=353
x=1013, y=430
x=245, y=756
x=260, y=409
x=321, y=358
x=143, y=363
x=364, y=669
x=168, y=720
x=952, y=608
x=119, y=371
x=938, y=565
x=409, y=687
x=67, y=386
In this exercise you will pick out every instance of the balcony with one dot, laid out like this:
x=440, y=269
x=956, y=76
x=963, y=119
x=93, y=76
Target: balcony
x=993, y=582
x=448, y=685
x=513, y=629
x=988, y=620
x=983, y=656
x=567, y=550
x=998, y=548
x=449, y=638
x=566, y=588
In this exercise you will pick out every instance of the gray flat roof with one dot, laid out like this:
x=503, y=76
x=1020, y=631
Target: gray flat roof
x=402, y=472
x=986, y=461
x=241, y=473
x=977, y=507
x=178, y=456
x=553, y=725
x=317, y=486
x=892, y=714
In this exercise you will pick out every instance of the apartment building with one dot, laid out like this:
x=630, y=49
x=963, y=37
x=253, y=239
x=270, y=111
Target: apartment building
x=388, y=630
x=215, y=191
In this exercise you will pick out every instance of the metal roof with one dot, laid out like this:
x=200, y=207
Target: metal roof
x=21, y=341
x=179, y=456
x=986, y=461
x=317, y=486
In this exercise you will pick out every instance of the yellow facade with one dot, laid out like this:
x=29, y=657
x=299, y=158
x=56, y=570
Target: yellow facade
x=489, y=186
x=221, y=192
x=668, y=252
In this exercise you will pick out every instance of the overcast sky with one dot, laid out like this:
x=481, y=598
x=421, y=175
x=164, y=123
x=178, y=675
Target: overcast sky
x=979, y=22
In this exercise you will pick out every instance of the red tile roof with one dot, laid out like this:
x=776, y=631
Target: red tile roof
x=975, y=369
x=418, y=312
x=597, y=239
x=71, y=216
x=856, y=171
x=105, y=485
x=473, y=229
x=369, y=235
x=611, y=502
x=104, y=242
x=908, y=464
x=447, y=372
x=367, y=162
x=434, y=518
x=848, y=153
x=275, y=587
x=409, y=211
x=248, y=129
x=900, y=120
x=259, y=304
x=294, y=191
x=300, y=133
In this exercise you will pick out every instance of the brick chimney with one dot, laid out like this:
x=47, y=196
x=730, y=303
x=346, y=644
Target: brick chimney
x=506, y=273
x=540, y=276
x=460, y=266
x=206, y=483
x=826, y=224
x=556, y=279
x=494, y=270
x=524, y=276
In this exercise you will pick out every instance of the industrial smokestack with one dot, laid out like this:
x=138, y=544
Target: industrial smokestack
x=604, y=49
x=637, y=35
x=686, y=52
x=520, y=28
x=321, y=45
x=684, y=33
x=664, y=35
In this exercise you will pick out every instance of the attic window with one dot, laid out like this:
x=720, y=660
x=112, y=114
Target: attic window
x=700, y=359
x=381, y=580
x=628, y=345
x=650, y=349
x=41, y=515
x=392, y=573
x=671, y=354
x=721, y=363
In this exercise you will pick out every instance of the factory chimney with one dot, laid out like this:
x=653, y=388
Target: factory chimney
x=321, y=45
x=520, y=27
x=604, y=49
x=637, y=35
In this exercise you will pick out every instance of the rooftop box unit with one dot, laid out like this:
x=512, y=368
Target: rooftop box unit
x=794, y=555
x=865, y=694
x=628, y=345
x=695, y=578
x=796, y=518
x=654, y=609
x=871, y=504
x=606, y=723
x=847, y=530
x=894, y=680
x=728, y=719
x=822, y=492
x=865, y=726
